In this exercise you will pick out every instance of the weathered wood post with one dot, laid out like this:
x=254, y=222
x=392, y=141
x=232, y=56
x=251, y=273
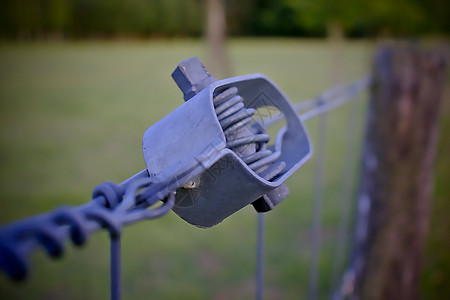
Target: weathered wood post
x=397, y=173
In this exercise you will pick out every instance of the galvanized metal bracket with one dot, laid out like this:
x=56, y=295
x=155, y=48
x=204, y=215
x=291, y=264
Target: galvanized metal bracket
x=192, y=132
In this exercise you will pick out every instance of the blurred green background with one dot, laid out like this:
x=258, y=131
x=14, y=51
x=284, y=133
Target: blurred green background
x=155, y=18
x=80, y=82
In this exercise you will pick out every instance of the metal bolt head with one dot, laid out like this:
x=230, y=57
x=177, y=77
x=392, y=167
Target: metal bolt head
x=191, y=76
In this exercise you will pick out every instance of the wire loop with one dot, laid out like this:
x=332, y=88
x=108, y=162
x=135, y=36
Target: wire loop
x=110, y=192
x=66, y=216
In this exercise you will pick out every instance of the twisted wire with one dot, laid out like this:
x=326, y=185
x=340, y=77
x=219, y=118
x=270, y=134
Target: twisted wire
x=112, y=207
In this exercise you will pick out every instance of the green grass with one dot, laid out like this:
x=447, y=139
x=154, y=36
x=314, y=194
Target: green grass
x=72, y=115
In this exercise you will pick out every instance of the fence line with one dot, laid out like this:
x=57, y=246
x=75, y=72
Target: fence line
x=320, y=106
x=260, y=257
x=19, y=239
x=317, y=209
x=346, y=194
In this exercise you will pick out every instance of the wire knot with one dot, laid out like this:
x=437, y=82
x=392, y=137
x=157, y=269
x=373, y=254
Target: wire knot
x=111, y=194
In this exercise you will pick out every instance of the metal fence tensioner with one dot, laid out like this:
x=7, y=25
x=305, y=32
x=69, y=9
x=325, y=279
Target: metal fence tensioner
x=206, y=160
x=216, y=128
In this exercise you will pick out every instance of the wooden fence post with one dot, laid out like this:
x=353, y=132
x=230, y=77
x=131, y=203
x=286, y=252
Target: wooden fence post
x=397, y=172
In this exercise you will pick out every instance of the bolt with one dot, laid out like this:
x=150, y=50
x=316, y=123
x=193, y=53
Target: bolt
x=191, y=76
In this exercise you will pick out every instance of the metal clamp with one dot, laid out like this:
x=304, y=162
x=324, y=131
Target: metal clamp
x=198, y=131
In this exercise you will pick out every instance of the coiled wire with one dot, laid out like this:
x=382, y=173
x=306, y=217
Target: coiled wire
x=112, y=207
x=249, y=142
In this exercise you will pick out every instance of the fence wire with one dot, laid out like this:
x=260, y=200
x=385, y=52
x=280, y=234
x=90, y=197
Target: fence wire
x=320, y=106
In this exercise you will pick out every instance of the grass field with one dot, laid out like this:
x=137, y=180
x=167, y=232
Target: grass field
x=72, y=115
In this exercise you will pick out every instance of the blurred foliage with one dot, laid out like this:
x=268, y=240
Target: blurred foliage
x=142, y=18
x=101, y=18
x=357, y=18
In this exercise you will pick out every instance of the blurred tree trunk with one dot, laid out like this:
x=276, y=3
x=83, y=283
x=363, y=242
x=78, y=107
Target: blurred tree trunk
x=398, y=163
x=216, y=35
x=335, y=31
x=335, y=35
